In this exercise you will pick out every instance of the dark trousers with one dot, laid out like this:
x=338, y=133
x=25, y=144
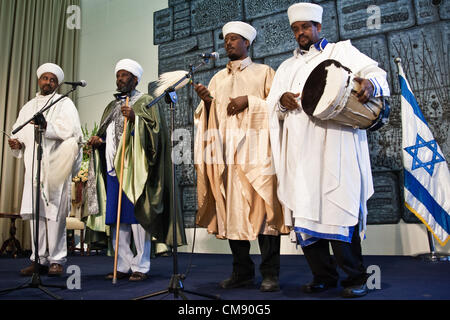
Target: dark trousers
x=243, y=266
x=347, y=256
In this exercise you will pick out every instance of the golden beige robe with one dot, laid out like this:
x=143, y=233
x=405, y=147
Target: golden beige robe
x=236, y=182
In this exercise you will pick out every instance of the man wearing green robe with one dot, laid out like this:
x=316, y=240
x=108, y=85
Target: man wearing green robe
x=146, y=206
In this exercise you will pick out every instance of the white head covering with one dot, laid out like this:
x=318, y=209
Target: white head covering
x=131, y=66
x=241, y=28
x=52, y=68
x=305, y=12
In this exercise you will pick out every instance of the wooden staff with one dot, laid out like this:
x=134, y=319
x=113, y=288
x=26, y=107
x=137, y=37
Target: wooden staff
x=119, y=206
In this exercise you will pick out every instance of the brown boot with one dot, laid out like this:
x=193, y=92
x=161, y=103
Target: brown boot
x=119, y=275
x=55, y=270
x=138, y=276
x=28, y=271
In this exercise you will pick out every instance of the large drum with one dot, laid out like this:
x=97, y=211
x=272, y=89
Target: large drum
x=330, y=94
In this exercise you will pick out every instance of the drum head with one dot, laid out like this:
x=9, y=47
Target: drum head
x=315, y=85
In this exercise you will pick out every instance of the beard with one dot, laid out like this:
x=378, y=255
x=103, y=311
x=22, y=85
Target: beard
x=46, y=90
x=233, y=57
x=126, y=87
x=235, y=54
x=306, y=46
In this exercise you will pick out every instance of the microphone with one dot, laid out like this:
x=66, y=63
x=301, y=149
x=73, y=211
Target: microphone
x=81, y=83
x=212, y=55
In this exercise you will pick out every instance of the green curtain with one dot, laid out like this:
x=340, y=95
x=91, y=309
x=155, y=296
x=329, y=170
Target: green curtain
x=32, y=32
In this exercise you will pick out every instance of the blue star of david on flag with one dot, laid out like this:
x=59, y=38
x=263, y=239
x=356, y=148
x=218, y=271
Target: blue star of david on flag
x=421, y=163
x=426, y=191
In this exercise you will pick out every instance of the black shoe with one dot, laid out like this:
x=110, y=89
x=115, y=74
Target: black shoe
x=236, y=282
x=316, y=287
x=270, y=284
x=351, y=281
x=355, y=291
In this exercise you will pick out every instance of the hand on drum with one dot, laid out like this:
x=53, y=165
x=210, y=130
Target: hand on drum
x=366, y=90
x=289, y=100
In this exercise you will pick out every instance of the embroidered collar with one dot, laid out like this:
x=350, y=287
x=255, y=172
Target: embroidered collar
x=321, y=44
x=243, y=64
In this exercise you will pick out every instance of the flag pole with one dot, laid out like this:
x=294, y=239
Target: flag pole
x=432, y=256
x=119, y=205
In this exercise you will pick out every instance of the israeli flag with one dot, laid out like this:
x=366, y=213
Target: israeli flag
x=427, y=178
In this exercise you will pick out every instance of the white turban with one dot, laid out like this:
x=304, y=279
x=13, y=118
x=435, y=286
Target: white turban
x=52, y=68
x=131, y=66
x=305, y=12
x=241, y=28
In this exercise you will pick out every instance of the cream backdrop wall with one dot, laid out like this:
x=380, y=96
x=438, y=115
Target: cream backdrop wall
x=114, y=29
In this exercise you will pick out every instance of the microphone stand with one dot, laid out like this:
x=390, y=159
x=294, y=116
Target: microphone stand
x=176, y=286
x=41, y=124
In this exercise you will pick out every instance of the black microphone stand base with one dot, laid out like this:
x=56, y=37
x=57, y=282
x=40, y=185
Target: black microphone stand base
x=176, y=286
x=177, y=289
x=36, y=283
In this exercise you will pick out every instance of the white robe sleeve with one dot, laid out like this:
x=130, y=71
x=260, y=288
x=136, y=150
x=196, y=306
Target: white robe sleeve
x=21, y=136
x=276, y=116
x=364, y=67
x=279, y=87
x=65, y=124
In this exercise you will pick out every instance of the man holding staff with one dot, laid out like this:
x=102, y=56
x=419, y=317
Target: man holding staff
x=133, y=156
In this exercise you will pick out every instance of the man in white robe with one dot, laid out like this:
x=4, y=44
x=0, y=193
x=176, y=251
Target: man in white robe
x=60, y=154
x=323, y=167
